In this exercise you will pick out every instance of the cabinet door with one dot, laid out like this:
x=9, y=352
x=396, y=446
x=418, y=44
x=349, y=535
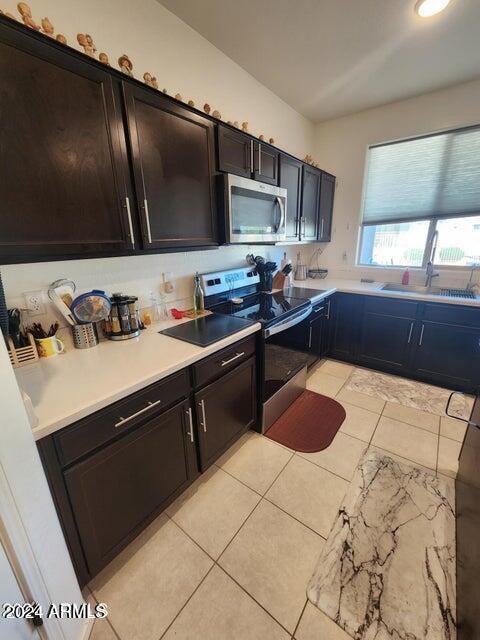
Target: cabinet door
x=225, y=409
x=118, y=490
x=448, y=355
x=291, y=180
x=310, y=201
x=345, y=313
x=265, y=163
x=173, y=165
x=62, y=165
x=385, y=341
x=325, y=210
x=235, y=152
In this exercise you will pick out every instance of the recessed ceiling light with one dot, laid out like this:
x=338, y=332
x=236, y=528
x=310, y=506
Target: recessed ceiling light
x=427, y=8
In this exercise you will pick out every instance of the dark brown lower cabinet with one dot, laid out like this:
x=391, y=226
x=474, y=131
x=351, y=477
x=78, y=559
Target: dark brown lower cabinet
x=115, y=492
x=225, y=409
x=114, y=471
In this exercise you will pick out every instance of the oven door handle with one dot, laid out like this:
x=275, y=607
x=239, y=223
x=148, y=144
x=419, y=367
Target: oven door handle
x=290, y=322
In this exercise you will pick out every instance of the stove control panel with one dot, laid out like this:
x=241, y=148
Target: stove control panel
x=221, y=281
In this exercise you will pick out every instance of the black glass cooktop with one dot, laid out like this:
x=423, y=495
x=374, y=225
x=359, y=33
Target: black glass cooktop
x=207, y=330
x=263, y=307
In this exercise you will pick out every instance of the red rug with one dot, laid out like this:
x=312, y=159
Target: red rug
x=309, y=424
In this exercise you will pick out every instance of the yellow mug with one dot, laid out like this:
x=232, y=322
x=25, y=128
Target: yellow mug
x=48, y=347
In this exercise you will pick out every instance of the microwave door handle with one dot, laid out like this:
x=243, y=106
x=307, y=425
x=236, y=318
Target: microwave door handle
x=282, y=213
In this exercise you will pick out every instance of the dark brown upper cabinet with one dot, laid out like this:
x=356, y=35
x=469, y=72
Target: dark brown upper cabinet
x=265, y=163
x=235, y=152
x=243, y=156
x=325, y=209
x=291, y=180
x=62, y=164
x=310, y=203
x=174, y=169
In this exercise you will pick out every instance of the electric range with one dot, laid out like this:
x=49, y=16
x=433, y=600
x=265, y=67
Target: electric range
x=282, y=350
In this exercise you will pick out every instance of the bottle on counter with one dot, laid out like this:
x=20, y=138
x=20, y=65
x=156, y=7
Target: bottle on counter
x=198, y=295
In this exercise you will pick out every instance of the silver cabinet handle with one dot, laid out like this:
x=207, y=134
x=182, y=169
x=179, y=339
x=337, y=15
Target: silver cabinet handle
x=318, y=309
x=410, y=333
x=190, y=432
x=149, y=406
x=235, y=357
x=130, y=226
x=251, y=156
x=421, y=335
x=259, y=159
x=321, y=229
x=203, y=422
x=328, y=310
x=310, y=339
x=147, y=220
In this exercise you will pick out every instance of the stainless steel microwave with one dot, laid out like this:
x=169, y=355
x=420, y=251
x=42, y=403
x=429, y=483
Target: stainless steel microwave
x=254, y=211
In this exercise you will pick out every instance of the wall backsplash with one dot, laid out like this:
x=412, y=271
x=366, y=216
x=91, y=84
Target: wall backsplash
x=136, y=275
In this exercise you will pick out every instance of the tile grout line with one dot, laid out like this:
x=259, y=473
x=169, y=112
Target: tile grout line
x=107, y=620
x=299, y=619
x=320, y=535
x=187, y=601
x=216, y=564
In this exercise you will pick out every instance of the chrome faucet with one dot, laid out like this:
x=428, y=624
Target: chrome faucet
x=471, y=286
x=430, y=272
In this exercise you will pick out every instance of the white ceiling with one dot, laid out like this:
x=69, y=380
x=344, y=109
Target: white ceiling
x=328, y=58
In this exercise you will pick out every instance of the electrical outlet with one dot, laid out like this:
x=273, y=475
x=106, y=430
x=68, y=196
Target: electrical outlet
x=34, y=303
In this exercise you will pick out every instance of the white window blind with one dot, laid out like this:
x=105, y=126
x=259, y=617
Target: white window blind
x=427, y=177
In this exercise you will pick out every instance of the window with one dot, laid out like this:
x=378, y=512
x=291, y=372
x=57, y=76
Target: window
x=420, y=192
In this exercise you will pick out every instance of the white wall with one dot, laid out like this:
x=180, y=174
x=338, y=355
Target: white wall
x=341, y=147
x=184, y=62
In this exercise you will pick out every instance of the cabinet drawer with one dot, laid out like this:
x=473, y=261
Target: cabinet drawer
x=225, y=360
x=452, y=314
x=319, y=310
x=105, y=425
x=398, y=308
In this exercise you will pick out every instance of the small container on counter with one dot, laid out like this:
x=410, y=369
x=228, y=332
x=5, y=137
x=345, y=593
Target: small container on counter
x=85, y=335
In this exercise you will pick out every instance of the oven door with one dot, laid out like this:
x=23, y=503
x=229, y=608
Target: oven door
x=255, y=211
x=286, y=357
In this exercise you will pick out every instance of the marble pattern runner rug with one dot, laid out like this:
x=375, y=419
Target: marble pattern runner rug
x=410, y=393
x=387, y=570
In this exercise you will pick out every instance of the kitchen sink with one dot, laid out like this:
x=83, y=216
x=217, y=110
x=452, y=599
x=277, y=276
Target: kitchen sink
x=392, y=286
x=433, y=291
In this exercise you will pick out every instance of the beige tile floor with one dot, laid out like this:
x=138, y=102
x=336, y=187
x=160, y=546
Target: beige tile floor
x=231, y=558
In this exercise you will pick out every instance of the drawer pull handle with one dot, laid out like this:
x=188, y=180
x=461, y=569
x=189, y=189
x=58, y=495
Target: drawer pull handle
x=149, y=406
x=203, y=422
x=190, y=432
x=318, y=310
x=235, y=357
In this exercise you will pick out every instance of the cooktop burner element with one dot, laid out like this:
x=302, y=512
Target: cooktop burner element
x=263, y=307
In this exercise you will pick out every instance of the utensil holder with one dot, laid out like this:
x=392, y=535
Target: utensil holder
x=20, y=356
x=85, y=335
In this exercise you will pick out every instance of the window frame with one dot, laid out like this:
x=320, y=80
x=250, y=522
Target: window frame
x=433, y=220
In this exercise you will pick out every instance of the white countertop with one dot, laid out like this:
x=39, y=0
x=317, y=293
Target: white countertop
x=70, y=386
x=328, y=286
x=79, y=382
